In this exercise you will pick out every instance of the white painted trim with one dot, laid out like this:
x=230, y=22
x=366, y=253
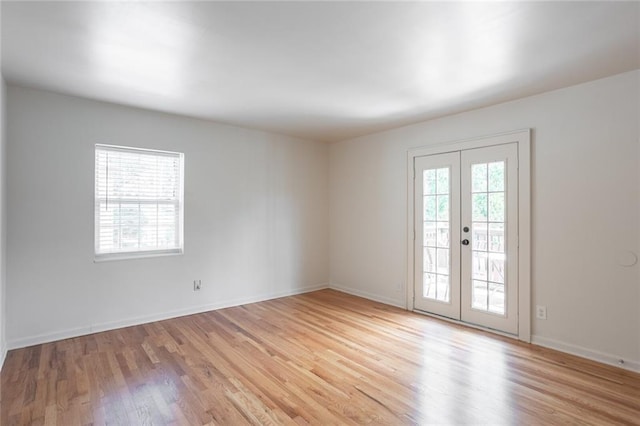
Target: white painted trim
x=411, y=232
x=524, y=236
x=3, y=353
x=605, y=358
x=367, y=295
x=523, y=139
x=112, y=325
x=461, y=145
x=49, y=337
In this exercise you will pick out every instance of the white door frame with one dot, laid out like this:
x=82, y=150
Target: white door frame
x=523, y=139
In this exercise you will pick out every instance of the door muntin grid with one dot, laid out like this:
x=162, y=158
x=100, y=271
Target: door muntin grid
x=488, y=237
x=436, y=220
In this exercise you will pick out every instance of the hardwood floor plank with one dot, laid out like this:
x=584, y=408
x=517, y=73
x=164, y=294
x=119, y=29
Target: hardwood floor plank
x=317, y=358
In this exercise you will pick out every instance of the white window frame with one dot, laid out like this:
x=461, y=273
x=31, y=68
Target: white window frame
x=137, y=254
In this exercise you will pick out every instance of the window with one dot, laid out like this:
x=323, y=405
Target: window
x=138, y=202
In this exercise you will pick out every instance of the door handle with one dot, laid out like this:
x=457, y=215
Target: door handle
x=465, y=242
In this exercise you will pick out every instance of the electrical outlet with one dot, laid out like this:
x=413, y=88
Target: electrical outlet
x=400, y=287
x=541, y=312
x=197, y=285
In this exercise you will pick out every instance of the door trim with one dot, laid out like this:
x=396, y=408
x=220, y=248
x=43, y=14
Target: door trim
x=523, y=140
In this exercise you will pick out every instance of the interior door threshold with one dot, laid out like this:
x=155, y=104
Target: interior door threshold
x=467, y=324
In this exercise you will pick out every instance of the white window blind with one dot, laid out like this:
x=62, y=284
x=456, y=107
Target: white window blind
x=138, y=202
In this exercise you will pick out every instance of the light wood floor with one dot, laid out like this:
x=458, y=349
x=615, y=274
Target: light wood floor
x=319, y=358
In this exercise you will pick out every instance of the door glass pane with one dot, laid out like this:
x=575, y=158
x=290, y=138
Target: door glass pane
x=429, y=259
x=496, y=267
x=429, y=182
x=443, y=181
x=496, y=237
x=442, y=234
x=430, y=207
x=442, y=293
x=436, y=219
x=496, y=206
x=479, y=178
x=479, y=236
x=496, y=176
x=479, y=296
x=479, y=265
x=442, y=261
x=496, y=298
x=429, y=238
x=443, y=208
x=429, y=286
x=479, y=207
x=488, y=206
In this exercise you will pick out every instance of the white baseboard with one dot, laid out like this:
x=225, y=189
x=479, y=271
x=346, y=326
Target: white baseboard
x=112, y=325
x=605, y=358
x=367, y=295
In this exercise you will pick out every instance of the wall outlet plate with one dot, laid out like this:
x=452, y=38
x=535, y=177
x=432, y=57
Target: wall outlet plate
x=541, y=312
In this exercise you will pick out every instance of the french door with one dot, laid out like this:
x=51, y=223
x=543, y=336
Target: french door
x=466, y=236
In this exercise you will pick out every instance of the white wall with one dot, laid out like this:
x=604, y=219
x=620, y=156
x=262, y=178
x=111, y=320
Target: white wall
x=257, y=214
x=3, y=223
x=585, y=210
x=256, y=218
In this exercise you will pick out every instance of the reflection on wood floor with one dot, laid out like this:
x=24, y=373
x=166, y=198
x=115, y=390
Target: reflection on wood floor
x=318, y=358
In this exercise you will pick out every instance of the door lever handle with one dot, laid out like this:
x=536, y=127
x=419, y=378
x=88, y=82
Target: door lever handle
x=465, y=242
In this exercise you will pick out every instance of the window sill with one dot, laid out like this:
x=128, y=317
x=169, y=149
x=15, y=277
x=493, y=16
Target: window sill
x=108, y=257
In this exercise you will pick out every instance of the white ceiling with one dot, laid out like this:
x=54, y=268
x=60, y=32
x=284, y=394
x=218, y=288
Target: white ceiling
x=318, y=70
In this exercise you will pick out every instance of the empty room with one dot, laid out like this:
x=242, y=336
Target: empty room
x=319, y=213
